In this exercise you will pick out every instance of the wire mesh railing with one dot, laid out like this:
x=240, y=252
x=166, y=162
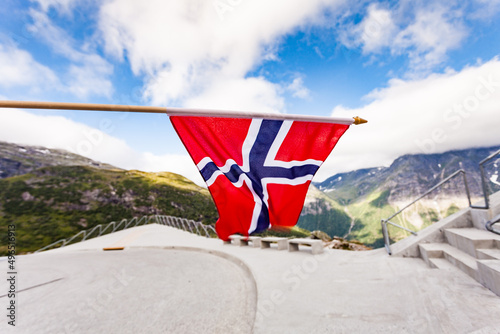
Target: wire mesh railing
x=99, y=230
x=187, y=225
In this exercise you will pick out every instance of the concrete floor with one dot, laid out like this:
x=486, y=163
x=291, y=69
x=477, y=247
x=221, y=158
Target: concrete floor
x=170, y=281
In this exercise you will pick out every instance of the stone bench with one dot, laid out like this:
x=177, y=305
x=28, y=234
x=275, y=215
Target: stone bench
x=240, y=240
x=256, y=241
x=267, y=241
x=234, y=239
x=316, y=245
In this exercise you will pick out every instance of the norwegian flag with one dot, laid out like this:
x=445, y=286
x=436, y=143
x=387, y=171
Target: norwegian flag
x=257, y=170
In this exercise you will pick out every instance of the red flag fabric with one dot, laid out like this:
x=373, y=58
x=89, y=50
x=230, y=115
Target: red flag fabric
x=257, y=170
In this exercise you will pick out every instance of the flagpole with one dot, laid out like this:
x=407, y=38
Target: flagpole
x=174, y=111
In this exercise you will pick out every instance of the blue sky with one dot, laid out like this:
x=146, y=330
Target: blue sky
x=426, y=74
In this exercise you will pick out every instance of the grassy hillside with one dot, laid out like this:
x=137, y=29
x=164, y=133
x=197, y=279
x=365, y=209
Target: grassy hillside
x=322, y=216
x=369, y=210
x=55, y=202
x=321, y=213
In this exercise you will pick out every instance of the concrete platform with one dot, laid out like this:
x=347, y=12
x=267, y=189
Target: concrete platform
x=182, y=283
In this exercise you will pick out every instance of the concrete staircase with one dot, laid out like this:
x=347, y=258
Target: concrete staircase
x=460, y=241
x=474, y=251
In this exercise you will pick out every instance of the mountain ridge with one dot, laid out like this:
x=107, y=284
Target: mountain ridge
x=53, y=194
x=356, y=201
x=416, y=171
x=46, y=186
x=16, y=159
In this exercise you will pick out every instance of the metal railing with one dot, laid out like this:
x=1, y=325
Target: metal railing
x=490, y=225
x=187, y=225
x=486, y=194
x=384, y=222
x=484, y=181
x=180, y=223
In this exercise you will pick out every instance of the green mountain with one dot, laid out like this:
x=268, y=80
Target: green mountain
x=322, y=213
x=55, y=200
x=52, y=194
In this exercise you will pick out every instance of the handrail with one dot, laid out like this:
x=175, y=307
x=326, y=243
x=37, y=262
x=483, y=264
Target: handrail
x=52, y=244
x=384, y=222
x=74, y=237
x=484, y=182
x=460, y=171
x=98, y=227
x=489, y=225
x=186, y=225
x=177, y=222
x=87, y=233
x=385, y=233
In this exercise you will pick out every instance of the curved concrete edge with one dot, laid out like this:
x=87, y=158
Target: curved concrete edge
x=251, y=302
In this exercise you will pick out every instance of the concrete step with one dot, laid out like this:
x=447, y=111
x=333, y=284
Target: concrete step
x=488, y=254
x=463, y=261
x=470, y=239
x=456, y=257
x=442, y=263
x=489, y=271
x=431, y=251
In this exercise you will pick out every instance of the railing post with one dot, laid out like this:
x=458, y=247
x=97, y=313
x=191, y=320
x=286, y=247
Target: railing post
x=466, y=187
x=484, y=181
x=210, y=227
x=385, y=234
x=189, y=225
x=197, y=229
x=485, y=186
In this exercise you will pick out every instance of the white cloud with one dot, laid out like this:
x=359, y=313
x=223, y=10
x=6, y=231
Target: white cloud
x=185, y=48
x=63, y=6
x=88, y=73
x=58, y=132
x=19, y=69
x=485, y=9
x=455, y=110
x=427, y=40
x=298, y=89
x=424, y=33
x=376, y=30
x=251, y=94
x=90, y=78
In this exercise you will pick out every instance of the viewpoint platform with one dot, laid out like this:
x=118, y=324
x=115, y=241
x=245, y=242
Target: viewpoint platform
x=158, y=279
